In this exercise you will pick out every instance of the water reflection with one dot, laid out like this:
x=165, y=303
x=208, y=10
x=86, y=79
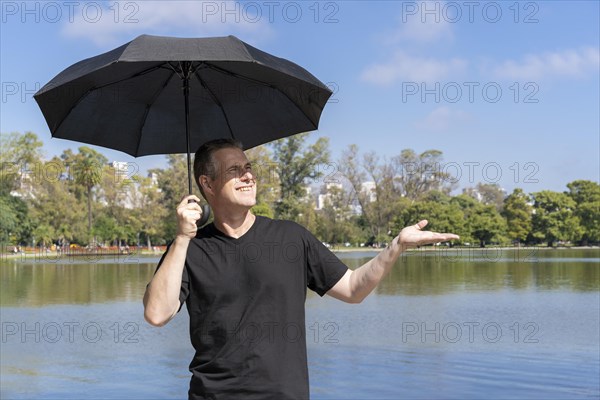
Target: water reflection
x=30, y=283
x=438, y=272
x=392, y=346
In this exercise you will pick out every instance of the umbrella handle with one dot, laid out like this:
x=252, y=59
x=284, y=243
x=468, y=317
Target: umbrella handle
x=205, y=213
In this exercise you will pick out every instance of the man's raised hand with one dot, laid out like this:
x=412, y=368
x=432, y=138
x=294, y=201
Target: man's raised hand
x=187, y=215
x=413, y=236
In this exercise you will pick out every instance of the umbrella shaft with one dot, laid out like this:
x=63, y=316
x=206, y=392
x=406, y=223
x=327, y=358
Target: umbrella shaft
x=186, y=95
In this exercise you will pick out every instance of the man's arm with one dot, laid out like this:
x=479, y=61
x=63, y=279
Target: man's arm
x=355, y=285
x=161, y=300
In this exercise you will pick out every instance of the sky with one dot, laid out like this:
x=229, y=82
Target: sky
x=508, y=91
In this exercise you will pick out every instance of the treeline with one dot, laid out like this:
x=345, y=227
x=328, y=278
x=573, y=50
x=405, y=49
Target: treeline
x=79, y=198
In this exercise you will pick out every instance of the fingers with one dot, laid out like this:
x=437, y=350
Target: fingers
x=186, y=199
x=187, y=215
x=441, y=237
x=190, y=216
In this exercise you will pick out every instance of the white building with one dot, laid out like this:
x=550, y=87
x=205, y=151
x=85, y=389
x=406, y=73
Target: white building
x=122, y=170
x=323, y=198
x=368, y=189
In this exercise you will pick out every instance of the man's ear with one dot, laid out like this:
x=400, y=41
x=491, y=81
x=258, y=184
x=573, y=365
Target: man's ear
x=205, y=183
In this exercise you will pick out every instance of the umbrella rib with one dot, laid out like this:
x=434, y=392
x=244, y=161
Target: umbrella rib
x=224, y=71
x=146, y=71
x=147, y=110
x=216, y=100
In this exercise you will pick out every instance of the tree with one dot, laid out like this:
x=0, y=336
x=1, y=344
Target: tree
x=468, y=206
x=374, y=190
x=487, y=224
x=553, y=219
x=86, y=168
x=56, y=209
x=172, y=183
x=488, y=194
x=417, y=174
x=387, y=197
x=350, y=168
x=297, y=163
x=518, y=213
x=263, y=210
x=264, y=169
x=335, y=222
x=442, y=214
x=106, y=228
x=586, y=195
x=117, y=194
x=20, y=158
x=15, y=224
x=148, y=212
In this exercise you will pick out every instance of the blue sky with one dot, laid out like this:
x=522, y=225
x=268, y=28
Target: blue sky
x=508, y=91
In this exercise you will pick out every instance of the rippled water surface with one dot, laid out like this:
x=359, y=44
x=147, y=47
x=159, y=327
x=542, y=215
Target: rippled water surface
x=446, y=324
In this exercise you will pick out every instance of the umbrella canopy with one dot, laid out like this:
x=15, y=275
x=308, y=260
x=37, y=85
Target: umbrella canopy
x=162, y=95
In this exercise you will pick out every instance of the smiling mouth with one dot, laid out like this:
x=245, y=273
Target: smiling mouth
x=244, y=189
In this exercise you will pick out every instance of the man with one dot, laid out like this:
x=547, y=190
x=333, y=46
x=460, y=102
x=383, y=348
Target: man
x=244, y=279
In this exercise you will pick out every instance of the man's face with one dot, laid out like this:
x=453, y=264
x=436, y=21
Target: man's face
x=234, y=183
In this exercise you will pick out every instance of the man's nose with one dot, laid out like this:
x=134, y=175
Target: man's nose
x=247, y=176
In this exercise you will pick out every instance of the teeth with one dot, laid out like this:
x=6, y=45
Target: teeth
x=245, y=189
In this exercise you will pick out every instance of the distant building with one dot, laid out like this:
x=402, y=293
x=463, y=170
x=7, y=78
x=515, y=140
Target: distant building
x=368, y=189
x=325, y=196
x=25, y=189
x=153, y=178
x=122, y=170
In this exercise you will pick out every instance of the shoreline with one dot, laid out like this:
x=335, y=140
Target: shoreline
x=53, y=256
x=460, y=248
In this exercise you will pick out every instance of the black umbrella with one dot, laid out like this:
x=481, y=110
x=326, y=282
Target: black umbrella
x=162, y=95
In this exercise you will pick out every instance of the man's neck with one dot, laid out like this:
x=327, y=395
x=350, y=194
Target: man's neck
x=233, y=225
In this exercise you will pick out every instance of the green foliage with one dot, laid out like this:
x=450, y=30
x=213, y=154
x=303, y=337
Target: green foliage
x=56, y=208
x=442, y=215
x=586, y=195
x=296, y=163
x=106, y=228
x=487, y=225
x=518, y=213
x=335, y=222
x=20, y=154
x=554, y=219
x=172, y=182
x=263, y=210
x=264, y=169
x=418, y=174
x=45, y=202
x=489, y=193
x=481, y=223
x=15, y=224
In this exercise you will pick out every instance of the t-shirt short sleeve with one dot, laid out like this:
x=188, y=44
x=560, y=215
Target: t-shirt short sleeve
x=324, y=269
x=184, y=291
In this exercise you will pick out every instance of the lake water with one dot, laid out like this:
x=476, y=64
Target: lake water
x=447, y=324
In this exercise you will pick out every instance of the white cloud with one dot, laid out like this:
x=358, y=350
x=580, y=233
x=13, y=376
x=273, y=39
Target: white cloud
x=408, y=68
x=115, y=22
x=443, y=119
x=570, y=63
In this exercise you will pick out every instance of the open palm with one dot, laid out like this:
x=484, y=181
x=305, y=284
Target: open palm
x=413, y=236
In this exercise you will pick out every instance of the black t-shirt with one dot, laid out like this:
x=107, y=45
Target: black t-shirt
x=245, y=298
